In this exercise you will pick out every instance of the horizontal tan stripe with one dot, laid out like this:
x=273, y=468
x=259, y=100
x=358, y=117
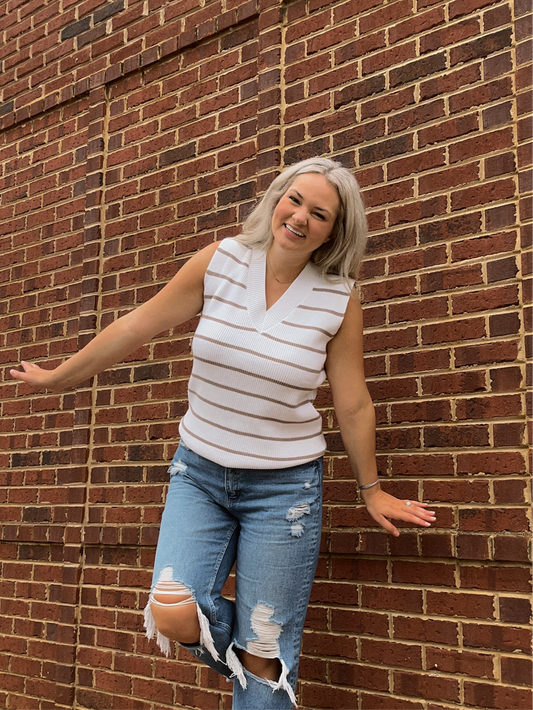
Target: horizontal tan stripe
x=226, y=278
x=308, y=327
x=221, y=250
x=259, y=355
x=312, y=457
x=249, y=394
x=257, y=377
x=215, y=425
x=322, y=310
x=294, y=345
x=223, y=300
x=338, y=292
x=253, y=416
x=230, y=325
x=265, y=335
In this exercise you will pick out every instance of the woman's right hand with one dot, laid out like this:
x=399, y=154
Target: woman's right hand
x=36, y=376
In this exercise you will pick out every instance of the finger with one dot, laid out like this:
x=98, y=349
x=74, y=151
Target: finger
x=389, y=527
x=392, y=530
x=407, y=516
x=419, y=510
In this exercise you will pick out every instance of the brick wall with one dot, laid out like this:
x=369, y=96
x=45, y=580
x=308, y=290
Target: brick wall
x=134, y=133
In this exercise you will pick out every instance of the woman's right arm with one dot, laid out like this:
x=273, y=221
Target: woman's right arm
x=180, y=300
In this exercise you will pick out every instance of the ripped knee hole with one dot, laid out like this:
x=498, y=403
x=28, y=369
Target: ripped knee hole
x=170, y=593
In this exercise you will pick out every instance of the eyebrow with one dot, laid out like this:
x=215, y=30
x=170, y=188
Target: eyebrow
x=320, y=209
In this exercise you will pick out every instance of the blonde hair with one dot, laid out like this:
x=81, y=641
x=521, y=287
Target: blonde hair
x=341, y=255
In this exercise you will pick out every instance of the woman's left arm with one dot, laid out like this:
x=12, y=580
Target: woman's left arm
x=356, y=418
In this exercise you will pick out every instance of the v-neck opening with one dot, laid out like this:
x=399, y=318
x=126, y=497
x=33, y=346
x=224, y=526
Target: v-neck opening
x=261, y=317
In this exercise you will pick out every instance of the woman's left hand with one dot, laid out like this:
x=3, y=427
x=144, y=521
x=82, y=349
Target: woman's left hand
x=383, y=506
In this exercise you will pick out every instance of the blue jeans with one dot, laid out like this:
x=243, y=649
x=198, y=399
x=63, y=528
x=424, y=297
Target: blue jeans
x=269, y=521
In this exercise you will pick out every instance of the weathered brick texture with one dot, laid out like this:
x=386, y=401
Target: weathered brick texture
x=134, y=133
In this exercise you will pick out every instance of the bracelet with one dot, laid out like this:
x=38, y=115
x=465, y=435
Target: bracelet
x=368, y=485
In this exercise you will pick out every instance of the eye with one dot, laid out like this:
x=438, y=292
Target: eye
x=294, y=199
x=320, y=216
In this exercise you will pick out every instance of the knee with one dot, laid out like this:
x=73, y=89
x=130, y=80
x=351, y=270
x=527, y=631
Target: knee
x=174, y=611
x=268, y=668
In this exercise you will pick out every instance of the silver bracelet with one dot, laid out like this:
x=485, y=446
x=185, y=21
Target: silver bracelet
x=368, y=485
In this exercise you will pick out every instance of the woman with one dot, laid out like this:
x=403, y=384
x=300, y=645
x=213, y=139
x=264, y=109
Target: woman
x=279, y=313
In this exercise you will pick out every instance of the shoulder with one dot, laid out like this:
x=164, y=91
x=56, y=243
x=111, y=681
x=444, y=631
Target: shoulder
x=234, y=250
x=194, y=269
x=335, y=294
x=354, y=312
x=351, y=328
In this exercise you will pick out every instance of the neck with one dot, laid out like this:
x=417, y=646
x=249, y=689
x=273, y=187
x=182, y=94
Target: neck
x=282, y=270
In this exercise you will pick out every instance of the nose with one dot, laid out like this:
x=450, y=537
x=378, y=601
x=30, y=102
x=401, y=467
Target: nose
x=300, y=215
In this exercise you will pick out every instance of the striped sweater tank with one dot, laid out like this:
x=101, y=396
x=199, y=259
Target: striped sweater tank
x=256, y=371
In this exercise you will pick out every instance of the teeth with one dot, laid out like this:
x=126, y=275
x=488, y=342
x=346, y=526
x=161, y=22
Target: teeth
x=298, y=234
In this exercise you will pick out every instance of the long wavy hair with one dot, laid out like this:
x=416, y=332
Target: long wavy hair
x=340, y=257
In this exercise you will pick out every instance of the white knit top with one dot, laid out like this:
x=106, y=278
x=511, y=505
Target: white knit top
x=256, y=371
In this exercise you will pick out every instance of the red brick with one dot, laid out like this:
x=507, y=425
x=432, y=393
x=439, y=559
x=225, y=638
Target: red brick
x=469, y=605
x=483, y=246
x=494, y=520
x=383, y=16
x=516, y=670
x=489, y=192
x=499, y=579
x=499, y=463
x=511, y=549
x=454, y=331
x=477, y=145
x=436, y=688
x=324, y=644
x=455, y=383
x=505, y=638
x=383, y=702
x=354, y=674
x=510, y=492
x=426, y=411
x=489, y=407
x=418, y=310
x=392, y=599
x=515, y=610
x=326, y=696
x=464, y=662
x=451, y=177
x=503, y=351
x=426, y=630
x=494, y=696
x=391, y=654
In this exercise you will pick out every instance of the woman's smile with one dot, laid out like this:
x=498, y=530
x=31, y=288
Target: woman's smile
x=293, y=231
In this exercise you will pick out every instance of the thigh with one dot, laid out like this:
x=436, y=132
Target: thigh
x=281, y=520
x=198, y=536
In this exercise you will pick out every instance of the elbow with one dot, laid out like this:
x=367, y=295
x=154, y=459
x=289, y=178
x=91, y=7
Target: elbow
x=362, y=410
x=132, y=330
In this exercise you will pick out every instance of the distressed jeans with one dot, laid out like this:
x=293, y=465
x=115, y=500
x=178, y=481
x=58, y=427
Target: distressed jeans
x=269, y=522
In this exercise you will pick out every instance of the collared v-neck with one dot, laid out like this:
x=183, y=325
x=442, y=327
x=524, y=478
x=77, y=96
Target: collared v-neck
x=262, y=318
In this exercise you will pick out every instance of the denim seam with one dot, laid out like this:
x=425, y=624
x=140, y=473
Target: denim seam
x=215, y=574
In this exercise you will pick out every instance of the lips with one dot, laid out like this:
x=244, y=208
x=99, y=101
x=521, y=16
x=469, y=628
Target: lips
x=293, y=231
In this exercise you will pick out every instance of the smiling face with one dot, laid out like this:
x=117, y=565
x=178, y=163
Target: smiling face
x=305, y=215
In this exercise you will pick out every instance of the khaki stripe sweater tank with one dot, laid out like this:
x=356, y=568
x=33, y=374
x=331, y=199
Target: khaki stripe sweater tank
x=256, y=371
